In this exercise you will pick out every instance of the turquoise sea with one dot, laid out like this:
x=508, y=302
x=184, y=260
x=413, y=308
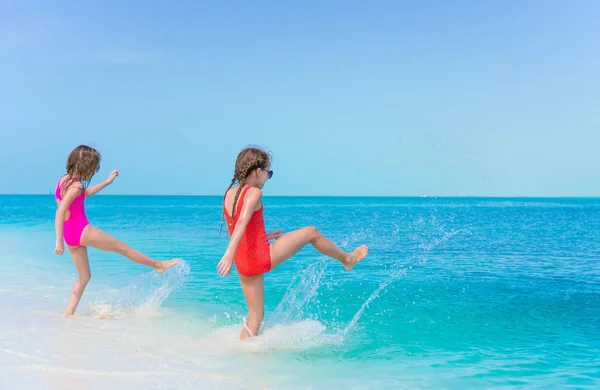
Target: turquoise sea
x=456, y=293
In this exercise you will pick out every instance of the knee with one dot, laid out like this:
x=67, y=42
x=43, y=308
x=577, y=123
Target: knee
x=121, y=248
x=85, y=278
x=313, y=232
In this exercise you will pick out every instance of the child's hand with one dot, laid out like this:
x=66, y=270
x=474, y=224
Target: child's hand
x=112, y=176
x=59, y=249
x=224, y=266
x=274, y=235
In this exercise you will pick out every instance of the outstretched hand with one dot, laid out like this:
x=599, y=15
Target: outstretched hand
x=224, y=266
x=112, y=176
x=274, y=235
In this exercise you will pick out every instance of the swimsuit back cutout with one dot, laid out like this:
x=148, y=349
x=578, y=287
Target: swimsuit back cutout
x=253, y=254
x=76, y=220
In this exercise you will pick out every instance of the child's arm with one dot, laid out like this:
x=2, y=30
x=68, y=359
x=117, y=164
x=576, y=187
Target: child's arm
x=98, y=187
x=59, y=221
x=251, y=202
x=95, y=189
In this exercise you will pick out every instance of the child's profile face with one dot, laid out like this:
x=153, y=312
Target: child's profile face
x=263, y=175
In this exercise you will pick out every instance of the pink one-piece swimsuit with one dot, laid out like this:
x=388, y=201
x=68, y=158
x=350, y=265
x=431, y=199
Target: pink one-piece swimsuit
x=77, y=221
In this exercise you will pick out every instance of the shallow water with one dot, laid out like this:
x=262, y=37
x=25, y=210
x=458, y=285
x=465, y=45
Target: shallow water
x=455, y=293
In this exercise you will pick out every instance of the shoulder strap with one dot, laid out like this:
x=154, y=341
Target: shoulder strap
x=246, y=188
x=59, y=186
x=238, y=207
x=240, y=203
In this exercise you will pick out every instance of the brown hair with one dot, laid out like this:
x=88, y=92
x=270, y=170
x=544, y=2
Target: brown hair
x=82, y=165
x=248, y=160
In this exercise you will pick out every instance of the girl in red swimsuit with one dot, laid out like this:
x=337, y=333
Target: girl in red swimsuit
x=72, y=226
x=249, y=246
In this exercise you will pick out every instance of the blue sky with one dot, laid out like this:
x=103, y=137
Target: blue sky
x=352, y=98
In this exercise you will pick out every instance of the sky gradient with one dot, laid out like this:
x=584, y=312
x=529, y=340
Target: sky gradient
x=389, y=98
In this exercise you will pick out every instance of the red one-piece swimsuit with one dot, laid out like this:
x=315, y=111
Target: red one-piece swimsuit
x=253, y=254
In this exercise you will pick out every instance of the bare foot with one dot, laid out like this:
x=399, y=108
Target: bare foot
x=356, y=256
x=162, y=266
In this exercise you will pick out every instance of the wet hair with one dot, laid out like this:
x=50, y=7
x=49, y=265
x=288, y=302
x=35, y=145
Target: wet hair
x=248, y=160
x=82, y=164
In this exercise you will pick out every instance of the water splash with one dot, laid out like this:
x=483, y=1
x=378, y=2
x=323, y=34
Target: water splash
x=429, y=233
x=296, y=336
x=103, y=311
x=145, y=293
x=151, y=289
x=302, y=290
x=375, y=294
x=395, y=275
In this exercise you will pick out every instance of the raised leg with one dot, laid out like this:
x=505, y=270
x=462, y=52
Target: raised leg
x=289, y=244
x=92, y=236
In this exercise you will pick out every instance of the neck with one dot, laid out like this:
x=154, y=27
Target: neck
x=250, y=183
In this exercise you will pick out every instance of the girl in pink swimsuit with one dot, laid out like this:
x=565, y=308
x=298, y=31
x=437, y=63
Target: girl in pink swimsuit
x=73, y=227
x=249, y=246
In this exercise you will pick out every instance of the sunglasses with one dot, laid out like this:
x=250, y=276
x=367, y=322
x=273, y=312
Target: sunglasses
x=269, y=173
x=98, y=168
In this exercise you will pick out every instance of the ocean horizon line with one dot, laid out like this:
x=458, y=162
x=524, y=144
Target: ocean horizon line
x=337, y=196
